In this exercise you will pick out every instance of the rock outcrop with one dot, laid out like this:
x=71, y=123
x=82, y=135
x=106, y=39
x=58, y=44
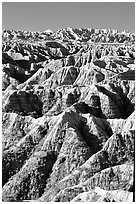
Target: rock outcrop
x=68, y=113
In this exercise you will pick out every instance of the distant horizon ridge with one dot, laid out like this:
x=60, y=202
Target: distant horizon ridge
x=49, y=29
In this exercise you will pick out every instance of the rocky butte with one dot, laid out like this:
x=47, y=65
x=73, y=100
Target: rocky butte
x=68, y=115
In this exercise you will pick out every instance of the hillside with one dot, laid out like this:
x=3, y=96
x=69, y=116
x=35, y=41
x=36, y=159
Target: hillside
x=68, y=113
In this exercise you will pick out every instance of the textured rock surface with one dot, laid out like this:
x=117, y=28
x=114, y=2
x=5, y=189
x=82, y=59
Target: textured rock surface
x=68, y=116
x=100, y=195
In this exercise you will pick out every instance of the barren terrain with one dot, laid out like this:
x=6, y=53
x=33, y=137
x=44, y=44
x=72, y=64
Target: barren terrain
x=68, y=115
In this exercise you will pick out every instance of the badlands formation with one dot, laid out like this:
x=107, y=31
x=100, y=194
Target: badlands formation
x=68, y=115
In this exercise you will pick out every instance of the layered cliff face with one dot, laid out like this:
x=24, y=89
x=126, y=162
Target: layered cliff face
x=68, y=116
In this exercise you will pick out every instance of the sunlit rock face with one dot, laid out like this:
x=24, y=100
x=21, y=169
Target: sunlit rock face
x=68, y=115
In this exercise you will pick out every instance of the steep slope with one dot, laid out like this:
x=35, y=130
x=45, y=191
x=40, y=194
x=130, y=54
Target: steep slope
x=68, y=105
